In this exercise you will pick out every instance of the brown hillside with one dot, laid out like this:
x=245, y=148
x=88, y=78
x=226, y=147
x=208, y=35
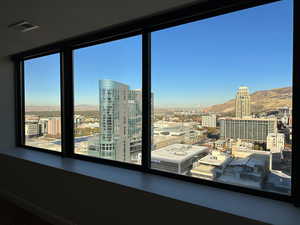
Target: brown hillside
x=261, y=101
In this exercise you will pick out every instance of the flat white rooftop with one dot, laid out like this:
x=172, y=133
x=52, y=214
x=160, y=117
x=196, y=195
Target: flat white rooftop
x=177, y=153
x=214, y=159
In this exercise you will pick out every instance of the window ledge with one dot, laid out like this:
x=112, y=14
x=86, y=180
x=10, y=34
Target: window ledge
x=269, y=211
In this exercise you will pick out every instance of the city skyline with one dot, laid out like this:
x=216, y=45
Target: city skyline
x=207, y=68
x=246, y=141
x=166, y=107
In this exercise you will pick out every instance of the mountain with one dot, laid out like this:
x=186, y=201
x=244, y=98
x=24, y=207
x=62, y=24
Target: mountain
x=261, y=101
x=41, y=108
x=57, y=108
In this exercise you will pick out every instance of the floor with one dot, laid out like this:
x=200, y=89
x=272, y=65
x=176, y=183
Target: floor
x=10, y=214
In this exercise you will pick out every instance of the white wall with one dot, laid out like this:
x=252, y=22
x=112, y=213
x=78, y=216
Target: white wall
x=7, y=103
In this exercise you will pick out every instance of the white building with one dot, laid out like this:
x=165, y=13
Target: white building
x=209, y=121
x=275, y=142
x=177, y=158
x=285, y=120
x=31, y=129
x=211, y=166
x=78, y=119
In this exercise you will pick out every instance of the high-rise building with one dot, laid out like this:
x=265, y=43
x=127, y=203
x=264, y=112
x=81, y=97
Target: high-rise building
x=248, y=129
x=242, y=103
x=54, y=126
x=209, y=121
x=113, y=108
x=120, y=124
x=135, y=121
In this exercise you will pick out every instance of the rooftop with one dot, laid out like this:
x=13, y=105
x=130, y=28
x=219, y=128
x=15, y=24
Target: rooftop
x=215, y=159
x=250, y=161
x=161, y=138
x=177, y=153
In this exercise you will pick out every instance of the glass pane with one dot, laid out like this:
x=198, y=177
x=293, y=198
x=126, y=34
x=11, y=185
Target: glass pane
x=223, y=98
x=108, y=100
x=42, y=102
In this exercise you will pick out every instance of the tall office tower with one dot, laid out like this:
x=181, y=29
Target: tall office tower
x=242, y=102
x=135, y=121
x=113, y=107
x=120, y=125
x=248, y=129
x=54, y=126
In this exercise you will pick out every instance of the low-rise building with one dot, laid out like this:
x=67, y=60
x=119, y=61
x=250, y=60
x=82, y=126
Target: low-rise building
x=177, y=158
x=209, y=121
x=278, y=181
x=240, y=145
x=275, y=142
x=163, y=141
x=220, y=144
x=31, y=129
x=210, y=166
x=250, y=171
x=43, y=126
x=78, y=119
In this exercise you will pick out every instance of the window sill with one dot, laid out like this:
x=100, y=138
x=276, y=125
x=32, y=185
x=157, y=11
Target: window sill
x=201, y=195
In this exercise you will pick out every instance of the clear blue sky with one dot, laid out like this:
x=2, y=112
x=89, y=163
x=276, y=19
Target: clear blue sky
x=196, y=64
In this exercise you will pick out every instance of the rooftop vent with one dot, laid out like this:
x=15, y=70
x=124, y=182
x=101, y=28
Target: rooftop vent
x=23, y=26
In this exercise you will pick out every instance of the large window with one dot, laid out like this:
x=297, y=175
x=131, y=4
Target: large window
x=223, y=98
x=108, y=100
x=198, y=97
x=42, y=124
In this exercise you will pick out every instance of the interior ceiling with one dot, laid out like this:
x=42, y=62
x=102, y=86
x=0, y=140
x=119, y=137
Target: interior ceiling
x=59, y=20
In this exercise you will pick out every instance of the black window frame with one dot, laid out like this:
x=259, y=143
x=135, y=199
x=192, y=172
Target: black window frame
x=144, y=27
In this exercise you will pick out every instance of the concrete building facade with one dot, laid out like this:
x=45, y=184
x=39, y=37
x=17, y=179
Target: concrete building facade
x=54, y=126
x=251, y=129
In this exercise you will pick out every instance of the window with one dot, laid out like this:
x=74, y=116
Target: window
x=189, y=95
x=223, y=98
x=42, y=126
x=108, y=100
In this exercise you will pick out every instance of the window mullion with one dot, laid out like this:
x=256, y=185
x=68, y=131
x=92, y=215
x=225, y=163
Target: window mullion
x=67, y=103
x=296, y=80
x=146, y=86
